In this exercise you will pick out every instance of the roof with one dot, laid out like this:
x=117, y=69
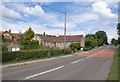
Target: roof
x=13, y=45
x=14, y=35
x=60, y=38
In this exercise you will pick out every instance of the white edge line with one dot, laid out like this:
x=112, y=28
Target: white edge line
x=44, y=72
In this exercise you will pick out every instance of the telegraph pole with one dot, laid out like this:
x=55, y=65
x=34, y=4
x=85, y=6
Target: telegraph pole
x=65, y=31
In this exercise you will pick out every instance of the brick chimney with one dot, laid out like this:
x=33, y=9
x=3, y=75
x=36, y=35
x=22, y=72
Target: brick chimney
x=9, y=31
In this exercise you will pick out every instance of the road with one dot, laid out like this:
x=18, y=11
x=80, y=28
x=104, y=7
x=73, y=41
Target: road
x=93, y=65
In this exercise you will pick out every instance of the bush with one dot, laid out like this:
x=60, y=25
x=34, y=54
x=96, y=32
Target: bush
x=32, y=54
x=34, y=44
x=75, y=46
x=4, y=48
x=87, y=49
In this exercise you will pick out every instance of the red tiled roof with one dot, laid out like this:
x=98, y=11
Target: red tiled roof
x=15, y=35
x=60, y=38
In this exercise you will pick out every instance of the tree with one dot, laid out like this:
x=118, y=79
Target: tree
x=34, y=44
x=26, y=39
x=6, y=40
x=75, y=46
x=118, y=32
x=90, y=41
x=114, y=42
x=27, y=36
x=101, y=37
x=118, y=29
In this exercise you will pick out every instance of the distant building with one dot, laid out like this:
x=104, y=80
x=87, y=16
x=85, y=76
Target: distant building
x=12, y=36
x=13, y=47
x=8, y=34
x=58, y=41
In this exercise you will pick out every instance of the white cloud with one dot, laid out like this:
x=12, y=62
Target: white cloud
x=36, y=10
x=9, y=13
x=103, y=11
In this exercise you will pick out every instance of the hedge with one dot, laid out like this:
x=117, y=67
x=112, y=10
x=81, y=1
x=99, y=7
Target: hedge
x=33, y=54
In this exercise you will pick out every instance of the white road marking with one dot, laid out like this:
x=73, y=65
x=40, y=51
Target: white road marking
x=44, y=72
x=88, y=56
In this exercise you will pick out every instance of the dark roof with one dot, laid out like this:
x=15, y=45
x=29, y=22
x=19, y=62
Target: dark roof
x=60, y=38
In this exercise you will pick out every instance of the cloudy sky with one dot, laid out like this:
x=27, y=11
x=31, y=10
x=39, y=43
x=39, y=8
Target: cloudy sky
x=82, y=17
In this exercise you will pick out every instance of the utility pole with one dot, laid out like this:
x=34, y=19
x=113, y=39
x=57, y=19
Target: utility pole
x=65, y=31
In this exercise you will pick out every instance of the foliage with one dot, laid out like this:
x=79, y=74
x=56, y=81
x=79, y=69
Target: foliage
x=34, y=44
x=33, y=54
x=87, y=48
x=26, y=41
x=118, y=32
x=4, y=48
x=101, y=38
x=6, y=40
x=75, y=46
x=90, y=41
x=114, y=42
x=118, y=29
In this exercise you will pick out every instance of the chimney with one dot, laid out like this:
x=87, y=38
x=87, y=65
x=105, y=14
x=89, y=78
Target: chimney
x=10, y=31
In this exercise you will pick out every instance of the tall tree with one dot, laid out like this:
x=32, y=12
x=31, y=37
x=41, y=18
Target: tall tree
x=118, y=31
x=90, y=41
x=101, y=38
x=114, y=42
x=27, y=37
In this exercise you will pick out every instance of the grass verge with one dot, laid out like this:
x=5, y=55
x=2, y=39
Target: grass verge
x=113, y=75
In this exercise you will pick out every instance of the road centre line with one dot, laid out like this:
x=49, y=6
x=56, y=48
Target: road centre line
x=88, y=56
x=41, y=73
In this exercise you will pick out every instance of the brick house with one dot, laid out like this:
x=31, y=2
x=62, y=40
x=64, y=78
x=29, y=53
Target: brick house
x=13, y=36
x=54, y=41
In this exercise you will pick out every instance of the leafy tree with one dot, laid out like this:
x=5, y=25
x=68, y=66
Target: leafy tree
x=6, y=40
x=34, y=44
x=101, y=37
x=75, y=46
x=114, y=41
x=90, y=41
x=26, y=39
x=118, y=31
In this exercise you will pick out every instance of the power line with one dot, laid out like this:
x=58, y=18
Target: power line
x=28, y=22
x=51, y=8
x=14, y=19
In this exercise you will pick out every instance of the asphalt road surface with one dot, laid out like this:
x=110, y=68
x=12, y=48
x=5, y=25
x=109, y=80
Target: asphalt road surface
x=93, y=65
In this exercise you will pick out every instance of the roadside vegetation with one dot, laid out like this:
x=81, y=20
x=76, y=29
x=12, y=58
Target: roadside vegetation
x=115, y=69
x=113, y=75
x=95, y=40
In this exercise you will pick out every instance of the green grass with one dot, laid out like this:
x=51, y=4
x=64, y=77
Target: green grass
x=113, y=75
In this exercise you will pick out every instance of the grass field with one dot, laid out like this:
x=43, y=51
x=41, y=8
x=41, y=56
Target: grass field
x=114, y=73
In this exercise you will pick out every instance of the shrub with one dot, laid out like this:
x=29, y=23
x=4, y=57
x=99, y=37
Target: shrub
x=87, y=49
x=4, y=48
x=33, y=54
x=75, y=46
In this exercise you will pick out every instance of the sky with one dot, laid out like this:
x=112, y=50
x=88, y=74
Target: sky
x=82, y=17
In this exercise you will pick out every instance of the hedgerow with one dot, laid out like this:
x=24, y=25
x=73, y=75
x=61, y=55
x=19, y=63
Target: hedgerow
x=33, y=54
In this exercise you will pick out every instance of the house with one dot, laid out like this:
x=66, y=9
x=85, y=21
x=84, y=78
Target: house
x=13, y=36
x=13, y=47
x=58, y=41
